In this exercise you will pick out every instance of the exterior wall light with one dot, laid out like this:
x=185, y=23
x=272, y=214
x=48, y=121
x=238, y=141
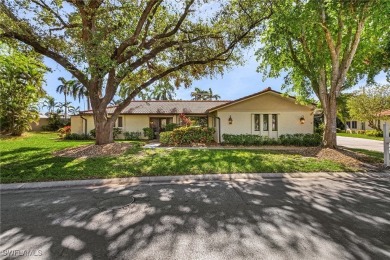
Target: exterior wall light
x=302, y=120
x=230, y=120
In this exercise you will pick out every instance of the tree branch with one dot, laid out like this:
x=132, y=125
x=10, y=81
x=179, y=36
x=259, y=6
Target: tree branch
x=132, y=40
x=45, y=51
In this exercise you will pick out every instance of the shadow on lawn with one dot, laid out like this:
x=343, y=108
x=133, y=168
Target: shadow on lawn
x=286, y=219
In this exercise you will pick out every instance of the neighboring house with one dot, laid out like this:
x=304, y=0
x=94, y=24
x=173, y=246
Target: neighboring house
x=360, y=125
x=43, y=121
x=267, y=113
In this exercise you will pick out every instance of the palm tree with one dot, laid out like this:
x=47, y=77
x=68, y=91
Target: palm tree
x=163, y=91
x=79, y=91
x=50, y=103
x=74, y=110
x=211, y=96
x=64, y=88
x=199, y=94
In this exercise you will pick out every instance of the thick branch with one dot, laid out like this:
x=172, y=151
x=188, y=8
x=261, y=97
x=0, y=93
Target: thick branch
x=48, y=53
x=132, y=40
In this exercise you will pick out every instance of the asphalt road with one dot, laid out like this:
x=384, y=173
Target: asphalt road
x=344, y=218
x=360, y=143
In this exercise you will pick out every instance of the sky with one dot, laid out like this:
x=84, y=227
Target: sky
x=235, y=83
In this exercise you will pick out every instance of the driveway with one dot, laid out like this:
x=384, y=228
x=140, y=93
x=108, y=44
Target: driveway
x=317, y=218
x=360, y=143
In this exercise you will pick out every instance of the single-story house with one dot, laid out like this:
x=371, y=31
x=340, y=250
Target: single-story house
x=267, y=113
x=360, y=125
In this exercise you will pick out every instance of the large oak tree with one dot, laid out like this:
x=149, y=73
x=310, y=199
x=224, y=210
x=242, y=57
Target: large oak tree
x=111, y=44
x=324, y=47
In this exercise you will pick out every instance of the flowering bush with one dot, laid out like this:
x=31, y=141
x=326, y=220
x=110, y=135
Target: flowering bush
x=188, y=135
x=62, y=132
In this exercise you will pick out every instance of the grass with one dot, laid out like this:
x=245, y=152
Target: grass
x=30, y=158
x=361, y=136
x=375, y=155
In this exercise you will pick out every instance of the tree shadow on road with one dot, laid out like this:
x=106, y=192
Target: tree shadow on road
x=285, y=219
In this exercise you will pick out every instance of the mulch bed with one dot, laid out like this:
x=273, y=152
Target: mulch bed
x=91, y=150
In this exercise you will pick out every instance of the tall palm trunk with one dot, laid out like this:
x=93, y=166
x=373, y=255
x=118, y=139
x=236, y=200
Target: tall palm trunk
x=66, y=105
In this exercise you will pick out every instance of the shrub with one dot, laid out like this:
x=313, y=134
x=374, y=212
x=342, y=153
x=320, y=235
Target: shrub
x=374, y=133
x=132, y=135
x=148, y=133
x=171, y=126
x=93, y=133
x=165, y=137
x=75, y=136
x=361, y=132
x=64, y=131
x=55, y=122
x=188, y=135
x=288, y=139
x=116, y=132
x=320, y=129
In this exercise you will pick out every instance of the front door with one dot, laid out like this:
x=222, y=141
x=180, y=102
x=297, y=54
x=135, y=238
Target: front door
x=158, y=124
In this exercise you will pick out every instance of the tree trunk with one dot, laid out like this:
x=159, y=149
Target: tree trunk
x=104, y=131
x=66, y=106
x=88, y=104
x=330, y=115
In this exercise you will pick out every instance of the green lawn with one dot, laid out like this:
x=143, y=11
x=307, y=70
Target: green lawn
x=30, y=158
x=376, y=156
x=361, y=136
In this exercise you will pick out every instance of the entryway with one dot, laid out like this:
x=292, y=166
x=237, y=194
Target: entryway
x=158, y=124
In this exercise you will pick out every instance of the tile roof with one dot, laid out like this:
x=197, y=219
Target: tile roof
x=166, y=107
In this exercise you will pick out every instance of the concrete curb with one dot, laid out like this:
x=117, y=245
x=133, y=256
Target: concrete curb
x=187, y=179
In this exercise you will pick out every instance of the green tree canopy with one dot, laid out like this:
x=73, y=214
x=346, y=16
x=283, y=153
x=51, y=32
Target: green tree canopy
x=368, y=103
x=112, y=44
x=21, y=79
x=323, y=47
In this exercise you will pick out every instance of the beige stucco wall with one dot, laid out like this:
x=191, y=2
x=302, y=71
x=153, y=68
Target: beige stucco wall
x=76, y=124
x=135, y=123
x=288, y=112
x=37, y=126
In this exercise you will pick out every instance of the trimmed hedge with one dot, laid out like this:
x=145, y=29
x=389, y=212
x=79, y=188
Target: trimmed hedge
x=374, y=133
x=132, y=135
x=288, y=139
x=188, y=135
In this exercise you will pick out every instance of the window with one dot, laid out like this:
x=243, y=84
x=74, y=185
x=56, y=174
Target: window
x=119, y=122
x=348, y=124
x=274, y=122
x=257, y=122
x=265, y=122
x=354, y=124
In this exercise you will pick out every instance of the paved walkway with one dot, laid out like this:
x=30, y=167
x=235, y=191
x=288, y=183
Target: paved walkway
x=337, y=218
